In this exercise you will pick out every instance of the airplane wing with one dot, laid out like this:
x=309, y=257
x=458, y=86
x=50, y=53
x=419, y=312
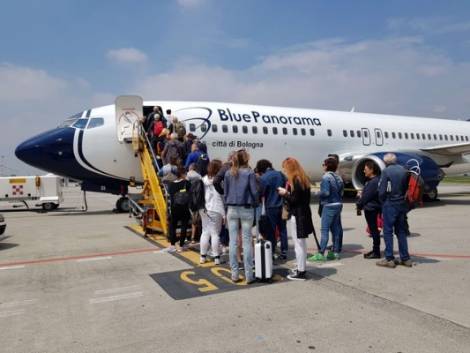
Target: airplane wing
x=449, y=150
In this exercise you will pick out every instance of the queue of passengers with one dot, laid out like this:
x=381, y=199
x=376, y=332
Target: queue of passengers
x=225, y=197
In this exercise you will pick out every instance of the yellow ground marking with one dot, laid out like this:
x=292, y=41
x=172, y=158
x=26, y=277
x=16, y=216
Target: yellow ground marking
x=203, y=284
x=162, y=241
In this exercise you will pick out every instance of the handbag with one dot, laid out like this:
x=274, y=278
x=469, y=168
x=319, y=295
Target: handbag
x=285, y=215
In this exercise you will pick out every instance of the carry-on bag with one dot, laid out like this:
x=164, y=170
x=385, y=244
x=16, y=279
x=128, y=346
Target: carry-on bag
x=263, y=254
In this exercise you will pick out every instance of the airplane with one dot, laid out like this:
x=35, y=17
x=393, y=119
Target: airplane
x=87, y=147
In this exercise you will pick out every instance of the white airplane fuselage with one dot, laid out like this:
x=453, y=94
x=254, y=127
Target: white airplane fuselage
x=272, y=133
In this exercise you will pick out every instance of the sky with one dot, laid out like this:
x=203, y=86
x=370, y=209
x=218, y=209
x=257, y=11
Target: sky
x=394, y=57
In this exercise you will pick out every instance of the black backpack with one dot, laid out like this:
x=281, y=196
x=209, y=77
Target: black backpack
x=182, y=197
x=202, y=163
x=198, y=199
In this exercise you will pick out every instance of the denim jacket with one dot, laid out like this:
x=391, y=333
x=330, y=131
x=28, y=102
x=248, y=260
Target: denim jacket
x=393, y=184
x=240, y=190
x=331, y=188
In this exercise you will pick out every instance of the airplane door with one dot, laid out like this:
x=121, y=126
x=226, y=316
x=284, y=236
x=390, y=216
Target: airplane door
x=379, y=137
x=365, y=136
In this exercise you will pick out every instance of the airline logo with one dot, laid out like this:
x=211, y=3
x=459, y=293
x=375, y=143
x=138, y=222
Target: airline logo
x=255, y=117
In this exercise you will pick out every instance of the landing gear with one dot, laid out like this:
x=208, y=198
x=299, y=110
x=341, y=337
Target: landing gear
x=122, y=205
x=431, y=195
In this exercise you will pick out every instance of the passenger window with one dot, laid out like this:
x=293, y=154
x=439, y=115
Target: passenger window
x=358, y=133
x=192, y=127
x=451, y=137
x=312, y=132
x=351, y=133
x=329, y=132
x=274, y=130
x=429, y=137
x=417, y=136
x=265, y=130
x=412, y=135
x=302, y=131
x=446, y=137
x=394, y=135
x=386, y=134
x=95, y=122
x=466, y=138
x=400, y=135
x=294, y=131
x=214, y=128
x=406, y=135
x=234, y=129
x=423, y=136
x=254, y=129
x=245, y=129
x=80, y=123
x=435, y=137
x=345, y=133
x=366, y=133
x=440, y=137
x=284, y=131
x=203, y=127
x=224, y=128
x=456, y=137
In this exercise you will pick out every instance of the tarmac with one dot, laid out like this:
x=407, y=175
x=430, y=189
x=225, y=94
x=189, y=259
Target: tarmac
x=84, y=282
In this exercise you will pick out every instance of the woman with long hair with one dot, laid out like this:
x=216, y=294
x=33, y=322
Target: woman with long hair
x=240, y=193
x=297, y=197
x=212, y=214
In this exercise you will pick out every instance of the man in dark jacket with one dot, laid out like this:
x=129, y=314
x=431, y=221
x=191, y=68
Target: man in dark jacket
x=392, y=189
x=271, y=180
x=369, y=202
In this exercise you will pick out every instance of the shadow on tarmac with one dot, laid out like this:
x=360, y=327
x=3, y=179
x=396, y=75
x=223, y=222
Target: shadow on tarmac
x=82, y=213
x=423, y=260
x=6, y=246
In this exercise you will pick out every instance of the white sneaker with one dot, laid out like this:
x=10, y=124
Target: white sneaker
x=202, y=259
x=170, y=249
x=217, y=261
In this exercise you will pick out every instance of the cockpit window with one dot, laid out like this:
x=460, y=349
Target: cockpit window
x=95, y=122
x=70, y=121
x=80, y=123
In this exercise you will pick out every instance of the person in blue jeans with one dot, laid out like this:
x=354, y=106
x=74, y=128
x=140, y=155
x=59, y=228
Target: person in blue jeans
x=331, y=203
x=240, y=194
x=393, y=185
x=271, y=180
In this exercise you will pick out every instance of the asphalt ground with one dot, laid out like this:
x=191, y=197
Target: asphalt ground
x=83, y=282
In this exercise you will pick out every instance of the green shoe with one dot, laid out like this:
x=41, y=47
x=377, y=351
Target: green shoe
x=330, y=255
x=317, y=258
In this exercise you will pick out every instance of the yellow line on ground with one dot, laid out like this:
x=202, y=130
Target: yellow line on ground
x=162, y=241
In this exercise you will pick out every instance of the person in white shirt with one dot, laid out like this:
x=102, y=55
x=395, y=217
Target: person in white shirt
x=212, y=214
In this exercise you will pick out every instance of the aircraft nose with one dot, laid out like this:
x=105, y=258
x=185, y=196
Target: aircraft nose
x=30, y=150
x=51, y=151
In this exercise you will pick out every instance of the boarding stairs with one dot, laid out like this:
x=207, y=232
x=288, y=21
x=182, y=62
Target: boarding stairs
x=149, y=206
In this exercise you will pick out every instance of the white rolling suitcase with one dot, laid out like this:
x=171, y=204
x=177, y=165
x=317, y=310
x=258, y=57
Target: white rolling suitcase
x=263, y=260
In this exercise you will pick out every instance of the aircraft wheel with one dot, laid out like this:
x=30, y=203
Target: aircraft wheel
x=431, y=195
x=122, y=204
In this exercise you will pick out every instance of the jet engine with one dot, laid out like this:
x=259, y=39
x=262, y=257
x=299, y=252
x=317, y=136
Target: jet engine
x=431, y=173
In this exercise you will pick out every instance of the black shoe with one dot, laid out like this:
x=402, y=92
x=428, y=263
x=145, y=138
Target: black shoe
x=372, y=255
x=297, y=276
